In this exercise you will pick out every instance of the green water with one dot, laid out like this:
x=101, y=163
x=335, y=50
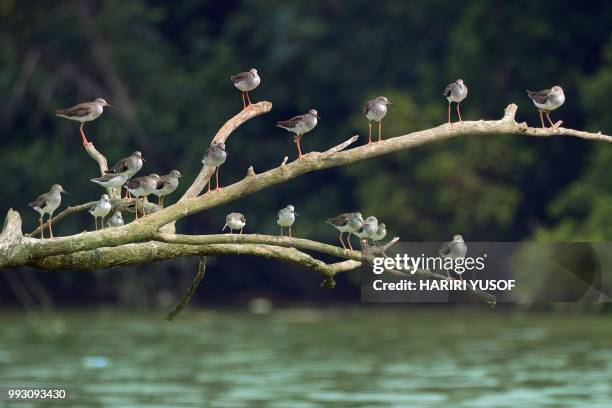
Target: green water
x=310, y=358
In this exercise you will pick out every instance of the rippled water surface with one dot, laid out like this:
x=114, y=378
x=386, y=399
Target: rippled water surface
x=311, y=358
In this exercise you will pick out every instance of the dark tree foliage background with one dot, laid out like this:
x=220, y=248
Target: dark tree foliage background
x=166, y=66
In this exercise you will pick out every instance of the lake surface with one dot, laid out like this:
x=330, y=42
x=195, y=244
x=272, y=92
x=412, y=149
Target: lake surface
x=361, y=357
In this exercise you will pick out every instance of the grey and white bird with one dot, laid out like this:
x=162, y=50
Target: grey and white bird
x=141, y=187
x=300, y=125
x=101, y=209
x=368, y=229
x=84, y=112
x=111, y=180
x=47, y=203
x=546, y=101
x=234, y=221
x=286, y=218
x=454, y=249
x=128, y=165
x=375, y=110
x=167, y=185
x=115, y=220
x=246, y=82
x=381, y=233
x=347, y=222
x=215, y=156
x=455, y=92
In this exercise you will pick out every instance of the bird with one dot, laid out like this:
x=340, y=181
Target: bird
x=246, y=82
x=128, y=166
x=215, y=156
x=455, y=92
x=300, y=125
x=454, y=249
x=84, y=112
x=142, y=187
x=375, y=110
x=546, y=101
x=381, y=232
x=47, y=203
x=234, y=221
x=111, y=180
x=368, y=229
x=116, y=220
x=286, y=218
x=167, y=185
x=101, y=209
x=347, y=222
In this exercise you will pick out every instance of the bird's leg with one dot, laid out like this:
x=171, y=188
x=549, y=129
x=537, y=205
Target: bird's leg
x=217, y=178
x=248, y=99
x=348, y=239
x=289, y=232
x=449, y=108
x=380, y=131
x=243, y=101
x=50, y=227
x=459, y=112
x=542, y=118
x=42, y=228
x=85, y=141
x=297, y=141
x=241, y=230
x=369, y=132
x=342, y=242
x=281, y=234
x=549, y=120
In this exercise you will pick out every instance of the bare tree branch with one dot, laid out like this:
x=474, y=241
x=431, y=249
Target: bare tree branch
x=190, y=290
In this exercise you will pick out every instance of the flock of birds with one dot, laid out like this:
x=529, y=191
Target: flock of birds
x=121, y=174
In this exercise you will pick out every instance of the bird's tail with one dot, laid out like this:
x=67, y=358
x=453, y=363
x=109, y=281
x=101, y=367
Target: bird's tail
x=530, y=93
x=282, y=124
x=31, y=204
x=95, y=180
x=224, y=227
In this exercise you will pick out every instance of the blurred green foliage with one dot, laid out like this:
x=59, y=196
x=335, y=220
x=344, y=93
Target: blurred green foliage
x=166, y=65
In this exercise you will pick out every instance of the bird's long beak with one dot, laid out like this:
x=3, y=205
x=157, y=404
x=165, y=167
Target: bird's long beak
x=142, y=158
x=64, y=191
x=317, y=116
x=112, y=106
x=296, y=213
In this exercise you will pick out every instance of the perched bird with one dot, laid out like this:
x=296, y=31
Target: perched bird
x=166, y=185
x=128, y=166
x=111, y=180
x=300, y=125
x=47, y=203
x=455, y=92
x=375, y=110
x=101, y=209
x=246, y=82
x=83, y=112
x=234, y=221
x=116, y=220
x=546, y=101
x=381, y=233
x=215, y=156
x=454, y=249
x=368, y=229
x=142, y=187
x=347, y=222
x=286, y=218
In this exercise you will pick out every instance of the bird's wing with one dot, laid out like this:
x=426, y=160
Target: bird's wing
x=133, y=183
x=77, y=111
x=540, y=96
x=367, y=106
x=40, y=201
x=119, y=167
x=448, y=90
x=339, y=220
x=290, y=123
x=240, y=77
x=445, y=249
x=242, y=218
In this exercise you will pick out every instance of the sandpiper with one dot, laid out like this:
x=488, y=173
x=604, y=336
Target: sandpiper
x=454, y=249
x=47, y=203
x=375, y=110
x=101, y=209
x=300, y=125
x=286, y=218
x=381, y=233
x=166, y=185
x=546, y=101
x=142, y=187
x=246, y=82
x=368, y=229
x=347, y=222
x=83, y=112
x=215, y=156
x=116, y=220
x=111, y=180
x=455, y=92
x=128, y=166
x=234, y=221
